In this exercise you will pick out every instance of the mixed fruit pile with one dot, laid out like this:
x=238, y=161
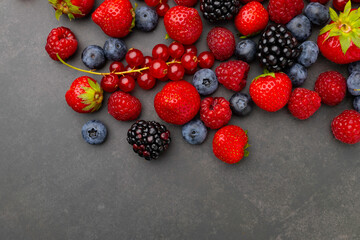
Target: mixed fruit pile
x=282, y=50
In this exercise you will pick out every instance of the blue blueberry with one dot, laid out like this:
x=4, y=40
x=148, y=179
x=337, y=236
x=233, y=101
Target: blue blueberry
x=241, y=104
x=93, y=57
x=353, y=83
x=317, y=13
x=115, y=49
x=355, y=66
x=94, y=132
x=309, y=53
x=298, y=74
x=356, y=104
x=194, y=132
x=246, y=50
x=205, y=81
x=146, y=19
x=300, y=27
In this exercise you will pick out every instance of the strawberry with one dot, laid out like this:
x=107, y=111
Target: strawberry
x=251, y=19
x=346, y=127
x=186, y=3
x=124, y=107
x=61, y=41
x=115, y=17
x=183, y=24
x=304, y=103
x=230, y=144
x=72, y=8
x=271, y=91
x=221, y=42
x=331, y=87
x=215, y=112
x=177, y=103
x=282, y=11
x=247, y=1
x=85, y=95
x=339, y=41
x=233, y=74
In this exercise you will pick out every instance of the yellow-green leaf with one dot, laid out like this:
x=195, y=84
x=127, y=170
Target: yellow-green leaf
x=356, y=40
x=327, y=28
x=347, y=8
x=333, y=15
x=58, y=13
x=345, y=42
x=92, y=84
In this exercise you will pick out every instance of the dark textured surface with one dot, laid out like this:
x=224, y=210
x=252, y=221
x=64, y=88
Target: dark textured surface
x=297, y=183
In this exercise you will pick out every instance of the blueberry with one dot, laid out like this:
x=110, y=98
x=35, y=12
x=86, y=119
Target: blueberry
x=297, y=73
x=356, y=104
x=353, y=83
x=115, y=49
x=94, y=132
x=205, y=81
x=194, y=132
x=309, y=53
x=241, y=104
x=355, y=66
x=317, y=13
x=93, y=57
x=300, y=27
x=246, y=50
x=146, y=19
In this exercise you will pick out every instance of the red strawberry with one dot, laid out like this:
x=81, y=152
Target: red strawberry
x=85, y=95
x=233, y=74
x=271, y=91
x=346, y=127
x=177, y=103
x=251, y=19
x=221, y=42
x=61, y=41
x=282, y=11
x=124, y=107
x=183, y=24
x=215, y=112
x=323, y=2
x=331, y=87
x=339, y=41
x=73, y=8
x=304, y=103
x=247, y=1
x=186, y=3
x=115, y=17
x=230, y=144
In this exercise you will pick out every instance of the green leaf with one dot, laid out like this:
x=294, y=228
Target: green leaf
x=327, y=28
x=355, y=39
x=133, y=19
x=53, y=2
x=353, y=16
x=333, y=15
x=347, y=8
x=265, y=75
x=333, y=33
x=356, y=25
x=92, y=84
x=58, y=13
x=345, y=43
x=167, y=36
x=71, y=16
x=88, y=107
x=246, y=153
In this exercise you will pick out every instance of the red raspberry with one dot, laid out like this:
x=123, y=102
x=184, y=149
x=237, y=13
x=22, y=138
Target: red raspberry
x=62, y=41
x=221, y=42
x=186, y=3
x=215, y=112
x=346, y=127
x=233, y=74
x=331, y=87
x=123, y=107
x=282, y=11
x=304, y=103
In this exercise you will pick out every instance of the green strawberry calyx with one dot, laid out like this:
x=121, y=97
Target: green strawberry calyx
x=246, y=152
x=346, y=26
x=65, y=7
x=92, y=97
x=266, y=74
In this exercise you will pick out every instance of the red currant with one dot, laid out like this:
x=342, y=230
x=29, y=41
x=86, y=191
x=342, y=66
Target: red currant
x=176, y=72
x=147, y=61
x=162, y=8
x=161, y=51
x=116, y=67
x=189, y=62
x=163, y=1
x=158, y=68
x=146, y=81
x=191, y=71
x=134, y=57
x=191, y=49
x=176, y=50
x=206, y=59
x=133, y=74
x=126, y=83
x=110, y=83
x=340, y=4
x=152, y=3
x=164, y=79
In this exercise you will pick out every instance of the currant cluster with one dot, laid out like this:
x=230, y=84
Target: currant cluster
x=161, y=6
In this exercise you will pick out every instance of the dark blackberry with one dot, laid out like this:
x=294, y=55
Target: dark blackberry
x=277, y=49
x=148, y=138
x=216, y=11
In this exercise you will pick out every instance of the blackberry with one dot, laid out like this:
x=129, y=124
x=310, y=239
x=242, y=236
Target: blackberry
x=148, y=138
x=277, y=48
x=216, y=11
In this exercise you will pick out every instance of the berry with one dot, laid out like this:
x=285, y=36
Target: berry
x=297, y=73
x=110, y=83
x=320, y=1
x=146, y=80
x=216, y=11
x=164, y=79
x=126, y=84
x=246, y=50
x=206, y=59
x=158, y=68
x=233, y=74
x=277, y=48
x=176, y=50
x=148, y=139
x=356, y=104
x=340, y=4
x=194, y=132
x=124, y=107
x=134, y=57
x=247, y=1
x=189, y=62
x=152, y=3
x=241, y=104
x=353, y=83
x=271, y=91
x=282, y=11
x=134, y=75
x=73, y=8
x=162, y=9
x=161, y=51
x=304, y=103
x=93, y=57
x=331, y=87
x=94, y=132
x=191, y=49
x=300, y=27
x=186, y=3
x=221, y=42
x=176, y=72
x=230, y=144
x=61, y=41
x=147, y=61
x=115, y=49
x=146, y=18
x=116, y=67
x=317, y=13
x=309, y=52
x=215, y=112
x=353, y=67
x=346, y=127
x=205, y=81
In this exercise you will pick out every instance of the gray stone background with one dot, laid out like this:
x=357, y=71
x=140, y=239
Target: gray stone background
x=298, y=182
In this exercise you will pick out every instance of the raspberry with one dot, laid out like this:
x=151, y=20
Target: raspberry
x=221, y=42
x=123, y=107
x=61, y=41
x=233, y=74
x=215, y=112
x=304, y=103
x=346, y=127
x=282, y=11
x=331, y=87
